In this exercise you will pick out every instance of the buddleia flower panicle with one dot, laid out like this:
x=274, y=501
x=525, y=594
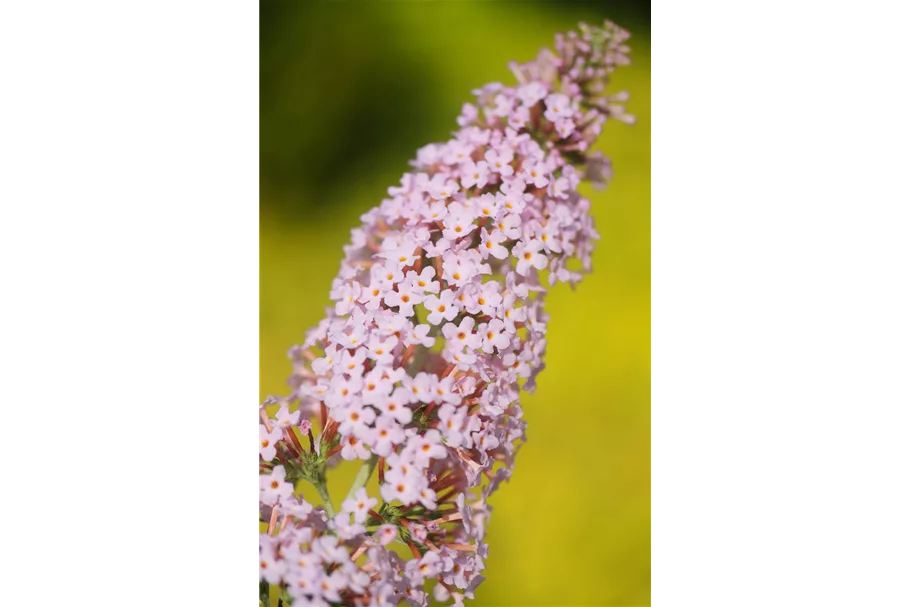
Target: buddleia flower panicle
x=438, y=322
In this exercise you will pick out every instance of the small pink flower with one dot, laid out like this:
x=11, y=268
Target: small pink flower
x=423, y=282
x=451, y=422
x=354, y=448
x=426, y=447
x=442, y=391
x=342, y=390
x=500, y=161
x=456, y=152
x=437, y=248
x=401, y=487
x=529, y=256
x=509, y=313
x=513, y=201
x=350, y=339
x=486, y=299
x=273, y=486
x=352, y=361
x=396, y=404
x=464, y=360
x=380, y=349
x=385, y=534
x=493, y=335
x=458, y=224
x=354, y=419
x=388, y=433
x=430, y=565
x=461, y=337
x=509, y=226
x=558, y=106
x=441, y=188
x=520, y=118
x=271, y=568
x=459, y=268
x=469, y=114
x=360, y=505
x=502, y=106
x=440, y=307
x=418, y=335
x=267, y=441
x=387, y=275
x=389, y=323
x=405, y=299
x=430, y=153
x=372, y=295
x=535, y=173
x=549, y=235
x=531, y=93
x=487, y=206
x=377, y=387
x=345, y=529
x=435, y=210
x=285, y=418
x=474, y=174
x=428, y=498
x=565, y=127
x=490, y=244
x=347, y=298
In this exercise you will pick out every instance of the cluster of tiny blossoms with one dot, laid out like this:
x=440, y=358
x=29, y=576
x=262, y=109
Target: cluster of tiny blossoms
x=438, y=320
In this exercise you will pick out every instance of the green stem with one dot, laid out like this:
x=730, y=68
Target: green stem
x=324, y=493
x=363, y=475
x=264, y=593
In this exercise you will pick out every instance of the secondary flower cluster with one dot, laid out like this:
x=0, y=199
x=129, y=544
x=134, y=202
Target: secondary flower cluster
x=438, y=321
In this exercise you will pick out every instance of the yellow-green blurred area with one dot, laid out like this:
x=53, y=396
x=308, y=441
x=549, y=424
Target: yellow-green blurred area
x=349, y=92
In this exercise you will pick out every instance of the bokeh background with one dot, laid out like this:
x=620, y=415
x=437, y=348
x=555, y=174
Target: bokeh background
x=348, y=92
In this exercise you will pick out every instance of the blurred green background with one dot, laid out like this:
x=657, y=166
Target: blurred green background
x=349, y=91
